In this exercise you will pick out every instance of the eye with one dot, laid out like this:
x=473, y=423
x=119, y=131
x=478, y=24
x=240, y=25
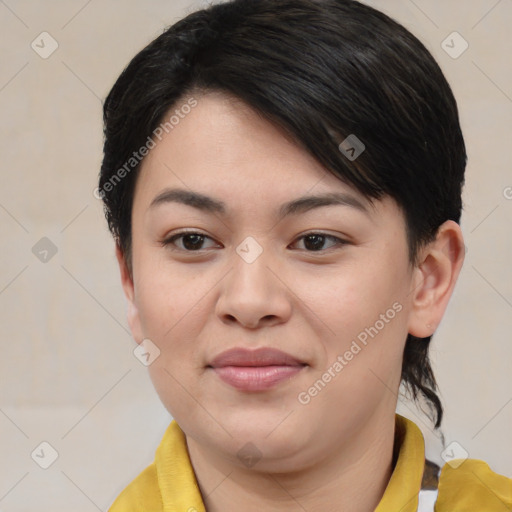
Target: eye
x=189, y=241
x=192, y=241
x=314, y=242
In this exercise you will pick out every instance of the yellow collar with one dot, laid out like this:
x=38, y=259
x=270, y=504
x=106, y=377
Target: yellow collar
x=170, y=485
x=179, y=489
x=402, y=491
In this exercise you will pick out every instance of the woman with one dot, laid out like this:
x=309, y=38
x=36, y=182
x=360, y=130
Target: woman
x=283, y=181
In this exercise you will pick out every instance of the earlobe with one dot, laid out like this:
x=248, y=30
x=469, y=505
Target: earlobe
x=129, y=291
x=436, y=273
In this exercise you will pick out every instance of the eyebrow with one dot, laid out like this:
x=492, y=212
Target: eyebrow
x=295, y=207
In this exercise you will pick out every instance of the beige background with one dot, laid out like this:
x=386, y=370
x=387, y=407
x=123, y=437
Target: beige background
x=67, y=369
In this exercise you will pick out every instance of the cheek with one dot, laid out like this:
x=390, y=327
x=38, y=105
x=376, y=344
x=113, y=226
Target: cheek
x=354, y=298
x=367, y=312
x=166, y=296
x=173, y=311
x=365, y=308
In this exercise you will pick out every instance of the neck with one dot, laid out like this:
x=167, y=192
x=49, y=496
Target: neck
x=353, y=477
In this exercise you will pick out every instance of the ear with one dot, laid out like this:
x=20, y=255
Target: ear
x=436, y=273
x=129, y=291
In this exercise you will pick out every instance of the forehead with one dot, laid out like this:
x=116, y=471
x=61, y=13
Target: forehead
x=224, y=150
x=221, y=143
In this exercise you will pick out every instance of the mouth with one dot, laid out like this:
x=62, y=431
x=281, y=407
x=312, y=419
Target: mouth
x=255, y=370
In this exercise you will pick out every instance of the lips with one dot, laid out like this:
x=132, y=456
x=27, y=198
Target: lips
x=258, y=357
x=255, y=370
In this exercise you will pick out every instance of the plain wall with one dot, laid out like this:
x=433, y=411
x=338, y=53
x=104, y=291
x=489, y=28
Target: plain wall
x=68, y=375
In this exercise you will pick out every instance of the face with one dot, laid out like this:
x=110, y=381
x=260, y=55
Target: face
x=258, y=266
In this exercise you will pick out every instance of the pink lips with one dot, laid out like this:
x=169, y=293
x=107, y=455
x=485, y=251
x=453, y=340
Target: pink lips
x=255, y=370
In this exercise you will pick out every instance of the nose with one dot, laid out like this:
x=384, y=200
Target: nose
x=253, y=295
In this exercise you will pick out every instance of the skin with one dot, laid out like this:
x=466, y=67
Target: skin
x=334, y=453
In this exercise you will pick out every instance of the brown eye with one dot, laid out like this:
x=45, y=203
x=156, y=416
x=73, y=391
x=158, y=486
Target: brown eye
x=189, y=242
x=314, y=242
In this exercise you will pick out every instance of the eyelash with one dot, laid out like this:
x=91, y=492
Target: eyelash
x=170, y=241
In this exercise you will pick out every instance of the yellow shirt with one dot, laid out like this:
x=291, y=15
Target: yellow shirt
x=169, y=483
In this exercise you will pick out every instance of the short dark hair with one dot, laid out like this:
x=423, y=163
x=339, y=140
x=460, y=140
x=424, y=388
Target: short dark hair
x=321, y=70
